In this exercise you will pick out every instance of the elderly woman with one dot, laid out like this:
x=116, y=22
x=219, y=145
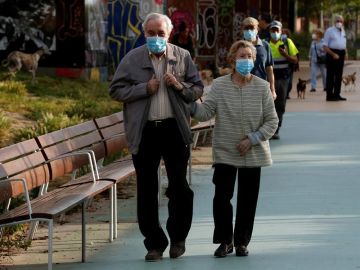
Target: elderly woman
x=245, y=119
x=317, y=56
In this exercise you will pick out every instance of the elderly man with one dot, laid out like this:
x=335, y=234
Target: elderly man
x=335, y=48
x=263, y=67
x=156, y=82
x=284, y=52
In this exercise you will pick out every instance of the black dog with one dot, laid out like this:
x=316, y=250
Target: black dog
x=301, y=87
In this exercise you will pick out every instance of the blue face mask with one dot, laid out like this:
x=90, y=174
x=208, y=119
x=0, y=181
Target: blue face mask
x=250, y=35
x=275, y=35
x=244, y=66
x=156, y=44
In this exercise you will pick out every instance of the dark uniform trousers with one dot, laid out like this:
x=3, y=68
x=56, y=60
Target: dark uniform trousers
x=162, y=139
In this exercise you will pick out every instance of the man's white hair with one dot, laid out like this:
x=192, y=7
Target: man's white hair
x=338, y=16
x=158, y=16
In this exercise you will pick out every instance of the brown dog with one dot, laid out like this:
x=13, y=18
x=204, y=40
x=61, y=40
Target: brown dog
x=301, y=88
x=349, y=81
x=224, y=70
x=206, y=76
x=17, y=60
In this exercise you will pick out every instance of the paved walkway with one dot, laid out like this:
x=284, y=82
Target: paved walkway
x=308, y=214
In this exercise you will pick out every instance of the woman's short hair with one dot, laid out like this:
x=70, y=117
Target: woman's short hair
x=158, y=16
x=319, y=32
x=231, y=57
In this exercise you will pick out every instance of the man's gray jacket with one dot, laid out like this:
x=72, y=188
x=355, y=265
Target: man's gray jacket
x=129, y=86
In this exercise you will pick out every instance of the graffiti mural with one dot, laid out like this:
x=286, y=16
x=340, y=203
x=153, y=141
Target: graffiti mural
x=96, y=21
x=207, y=32
x=70, y=35
x=225, y=24
x=237, y=30
x=125, y=26
x=96, y=13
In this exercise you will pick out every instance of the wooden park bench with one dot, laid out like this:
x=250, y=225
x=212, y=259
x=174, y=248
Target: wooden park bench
x=39, y=161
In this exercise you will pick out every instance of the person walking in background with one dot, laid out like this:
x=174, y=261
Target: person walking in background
x=263, y=66
x=335, y=48
x=183, y=39
x=264, y=26
x=285, y=34
x=245, y=119
x=156, y=82
x=317, y=57
x=283, y=54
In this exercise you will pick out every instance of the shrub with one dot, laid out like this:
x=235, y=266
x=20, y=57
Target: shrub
x=14, y=87
x=46, y=124
x=4, y=128
x=89, y=109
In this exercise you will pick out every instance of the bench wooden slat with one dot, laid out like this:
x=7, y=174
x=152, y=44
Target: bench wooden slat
x=23, y=161
x=113, y=133
x=13, y=151
x=109, y=120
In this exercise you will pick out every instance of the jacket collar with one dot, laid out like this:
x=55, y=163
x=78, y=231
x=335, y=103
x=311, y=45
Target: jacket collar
x=170, y=56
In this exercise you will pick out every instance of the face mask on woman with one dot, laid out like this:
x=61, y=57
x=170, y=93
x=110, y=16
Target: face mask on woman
x=250, y=35
x=244, y=66
x=156, y=44
x=275, y=35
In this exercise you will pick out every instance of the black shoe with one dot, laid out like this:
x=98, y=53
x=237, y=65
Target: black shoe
x=313, y=90
x=177, y=249
x=154, y=255
x=241, y=251
x=341, y=98
x=331, y=99
x=224, y=250
x=276, y=136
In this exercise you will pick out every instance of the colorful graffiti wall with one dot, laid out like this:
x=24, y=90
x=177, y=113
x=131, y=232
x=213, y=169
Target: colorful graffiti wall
x=125, y=26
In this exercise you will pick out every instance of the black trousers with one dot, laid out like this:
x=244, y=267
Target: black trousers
x=334, y=72
x=247, y=195
x=163, y=140
x=281, y=87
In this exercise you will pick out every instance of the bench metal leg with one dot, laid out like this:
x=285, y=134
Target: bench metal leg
x=83, y=233
x=115, y=211
x=50, y=244
x=204, y=137
x=111, y=223
x=190, y=165
x=159, y=184
x=195, y=139
x=34, y=225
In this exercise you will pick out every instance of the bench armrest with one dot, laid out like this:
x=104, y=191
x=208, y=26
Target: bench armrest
x=91, y=157
x=26, y=191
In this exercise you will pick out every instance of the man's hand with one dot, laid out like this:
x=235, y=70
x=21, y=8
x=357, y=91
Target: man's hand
x=283, y=51
x=153, y=85
x=244, y=146
x=273, y=93
x=335, y=56
x=170, y=80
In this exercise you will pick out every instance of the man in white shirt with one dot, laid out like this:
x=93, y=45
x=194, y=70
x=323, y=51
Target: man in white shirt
x=335, y=48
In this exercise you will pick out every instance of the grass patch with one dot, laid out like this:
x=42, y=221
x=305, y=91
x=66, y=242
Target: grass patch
x=51, y=103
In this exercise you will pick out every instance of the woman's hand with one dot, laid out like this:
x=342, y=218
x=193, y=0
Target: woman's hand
x=244, y=146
